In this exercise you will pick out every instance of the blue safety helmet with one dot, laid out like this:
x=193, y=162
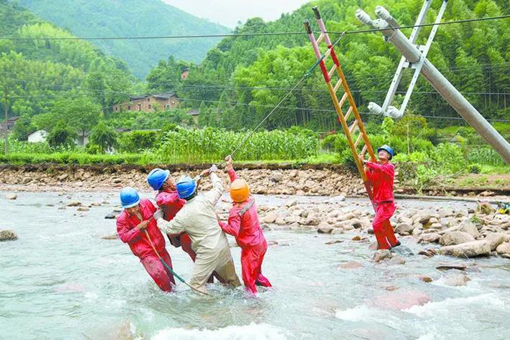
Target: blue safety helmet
x=129, y=197
x=157, y=177
x=186, y=186
x=387, y=149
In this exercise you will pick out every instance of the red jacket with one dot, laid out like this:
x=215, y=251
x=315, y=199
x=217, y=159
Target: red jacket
x=381, y=177
x=170, y=202
x=136, y=238
x=246, y=228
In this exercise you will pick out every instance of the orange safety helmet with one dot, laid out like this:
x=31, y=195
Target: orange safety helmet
x=239, y=191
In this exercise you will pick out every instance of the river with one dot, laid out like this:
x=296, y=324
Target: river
x=60, y=280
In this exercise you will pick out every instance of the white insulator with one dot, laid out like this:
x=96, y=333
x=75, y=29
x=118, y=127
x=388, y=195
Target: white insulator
x=394, y=113
x=374, y=108
x=383, y=13
x=363, y=17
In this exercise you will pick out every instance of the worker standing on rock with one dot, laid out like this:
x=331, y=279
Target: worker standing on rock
x=243, y=224
x=169, y=202
x=199, y=220
x=381, y=176
x=138, y=229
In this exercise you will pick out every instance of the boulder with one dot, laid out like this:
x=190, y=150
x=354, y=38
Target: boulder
x=404, y=229
x=471, y=229
x=270, y=217
x=324, y=228
x=495, y=240
x=423, y=219
x=429, y=238
x=455, y=237
x=8, y=235
x=74, y=204
x=504, y=249
x=469, y=249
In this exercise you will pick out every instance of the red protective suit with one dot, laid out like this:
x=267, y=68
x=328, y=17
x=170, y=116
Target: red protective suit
x=381, y=178
x=141, y=247
x=243, y=224
x=170, y=203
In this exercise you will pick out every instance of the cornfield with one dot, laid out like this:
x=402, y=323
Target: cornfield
x=210, y=145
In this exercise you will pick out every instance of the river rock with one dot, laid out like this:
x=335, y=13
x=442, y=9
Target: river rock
x=404, y=229
x=291, y=203
x=11, y=196
x=8, y=235
x=74, y=204
x=333, y=242
x=270, y=217
x=425, y=278
x=455, y=237
x=504, y=249
x=351, y=265
x=396, y=260
x=112, y=215
x=485, y=208
x=116, y=180
x=110, y=237
x=471, y=229
x=401, y=299
x=62, y=177
x=381, y=255
x=324, y=228
x=277, y=177
x=83, y=209
x=456, y=279
x=429, y=238
x=495, y=240
x=448, y=266
x=312, y=219
x=428, y=252
x=423, y=219
x=469, y=249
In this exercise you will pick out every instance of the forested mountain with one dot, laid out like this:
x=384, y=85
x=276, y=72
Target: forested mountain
x=121, y=18
x=242, y=78
x=38, y=77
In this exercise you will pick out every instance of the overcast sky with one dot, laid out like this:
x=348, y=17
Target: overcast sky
x=229, y=12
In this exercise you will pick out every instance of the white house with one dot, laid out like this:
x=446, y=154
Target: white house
x=38, y=136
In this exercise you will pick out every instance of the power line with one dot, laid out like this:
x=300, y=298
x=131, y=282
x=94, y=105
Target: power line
x=240, y=35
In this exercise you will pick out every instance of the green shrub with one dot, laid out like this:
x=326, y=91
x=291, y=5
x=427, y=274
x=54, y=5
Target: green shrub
x=474, y=168
x=137, y=141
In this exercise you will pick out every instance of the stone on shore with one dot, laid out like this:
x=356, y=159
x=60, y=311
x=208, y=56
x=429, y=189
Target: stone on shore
x=469, y=249
x=11, y=197
x=8, y=235
x=455, y=237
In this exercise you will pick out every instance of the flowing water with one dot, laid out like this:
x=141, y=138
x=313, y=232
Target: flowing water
x=60, y=280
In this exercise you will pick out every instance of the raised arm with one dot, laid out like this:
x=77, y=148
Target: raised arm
x=233, y=226
x=232, y=174
x=214, y=195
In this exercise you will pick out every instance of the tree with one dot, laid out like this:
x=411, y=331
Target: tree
x=203, y=115
x=104, y=137
x=81, y=114
x=23, y=128
x=61, y=135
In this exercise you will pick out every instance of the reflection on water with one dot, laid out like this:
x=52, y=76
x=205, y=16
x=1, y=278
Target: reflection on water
x=60, y=280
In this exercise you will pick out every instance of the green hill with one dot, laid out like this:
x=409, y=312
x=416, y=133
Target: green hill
x=36, y=73
x=116, y=18
x=243, y=77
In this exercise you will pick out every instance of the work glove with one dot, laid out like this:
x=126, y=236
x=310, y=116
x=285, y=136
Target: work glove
x=158, y=214
x=213, y=168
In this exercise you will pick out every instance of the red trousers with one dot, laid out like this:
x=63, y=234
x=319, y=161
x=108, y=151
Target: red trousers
x=162, y=276
x=251, y=261
x=382, y=227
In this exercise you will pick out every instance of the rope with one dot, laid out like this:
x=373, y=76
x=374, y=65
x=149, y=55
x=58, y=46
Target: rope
x=169, y=268
x=306, y=75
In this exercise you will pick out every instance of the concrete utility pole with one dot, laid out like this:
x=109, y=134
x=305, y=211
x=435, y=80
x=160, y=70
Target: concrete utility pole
x=390, y=30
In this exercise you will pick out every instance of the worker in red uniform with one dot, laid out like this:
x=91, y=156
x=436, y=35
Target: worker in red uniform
x=138, y=229
x=169, y=202
x=381, y=176
x=243, y=224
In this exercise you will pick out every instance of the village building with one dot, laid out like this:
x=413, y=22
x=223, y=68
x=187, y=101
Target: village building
x=149, y=103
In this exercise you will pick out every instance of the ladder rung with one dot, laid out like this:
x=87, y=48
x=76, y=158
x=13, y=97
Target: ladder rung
x=363, y=150
x=330, y=73
x=321, y=37
x=342, y=101
x=348, y=113
x=353, y=126
x=339, y=82
x=358, y=140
